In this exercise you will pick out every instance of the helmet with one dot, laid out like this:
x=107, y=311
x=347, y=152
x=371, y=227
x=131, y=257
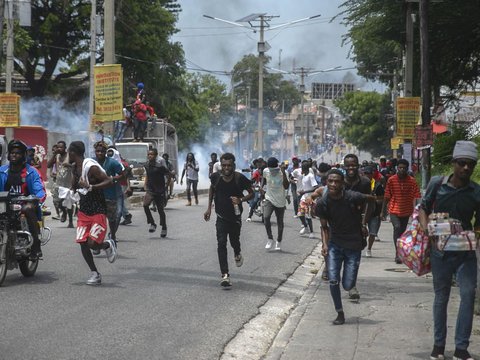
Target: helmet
x=140, y=85
x=18, y=144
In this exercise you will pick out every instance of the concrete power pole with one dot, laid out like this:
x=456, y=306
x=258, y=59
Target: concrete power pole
x=2, y=12
x=409, y=53
x=93, y=54
x=425, y=87
x=109, y=32
x=9, y=66
x=261, y=53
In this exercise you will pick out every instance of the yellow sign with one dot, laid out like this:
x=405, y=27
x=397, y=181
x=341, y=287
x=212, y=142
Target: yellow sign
x=395, y=143
x=108, y=93
x=9, y=110
x=408, y=116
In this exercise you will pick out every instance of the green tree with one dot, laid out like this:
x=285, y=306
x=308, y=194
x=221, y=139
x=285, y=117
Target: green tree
x=275, y=88
x=377, y=38
x=365, y=124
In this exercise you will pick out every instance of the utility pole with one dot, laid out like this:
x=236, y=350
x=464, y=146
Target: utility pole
x=303, y=73
x=425, y=87
x=283, y=131
x=93, y=54
x=9, y=66
x=109, y=32
x=409, y=52
x=2, y=12
x=261, y=53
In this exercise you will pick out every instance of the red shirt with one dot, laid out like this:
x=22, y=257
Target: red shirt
x=141, y=112
x=401, y=193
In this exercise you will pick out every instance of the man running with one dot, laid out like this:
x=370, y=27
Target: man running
x=343, y=229
x=156, y=170
x=89, y=179
x=227, y=189
x=277, y=182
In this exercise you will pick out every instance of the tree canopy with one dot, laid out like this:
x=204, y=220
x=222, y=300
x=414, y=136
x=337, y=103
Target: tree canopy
x=377, y=38
x=365, y=124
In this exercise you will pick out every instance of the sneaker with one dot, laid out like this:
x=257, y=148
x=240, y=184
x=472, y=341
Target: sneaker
x=303, y=230
x=340, y=320
x=70, y=225
x=295, y=216
x=63, y=218
x=277, y=246
x=353, y=294
x=311, y=236
x=111, y=252
x=249, y=219
x=438, y=353
x=225, y=282
x=368, y=253
x=96, y=251
x=94, y=279
x=461, y=355
x=127, y=220
x=153, y=227
x=239, y=260
x=269, y=244
x=163, y=233
x=35, y=255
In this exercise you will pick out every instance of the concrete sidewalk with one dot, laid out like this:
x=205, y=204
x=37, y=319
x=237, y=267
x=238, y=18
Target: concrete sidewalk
x=392, y=320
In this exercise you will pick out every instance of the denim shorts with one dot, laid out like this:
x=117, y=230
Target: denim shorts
x=374, y=225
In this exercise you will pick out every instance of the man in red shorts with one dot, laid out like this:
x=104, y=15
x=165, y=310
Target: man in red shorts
x=89, y=180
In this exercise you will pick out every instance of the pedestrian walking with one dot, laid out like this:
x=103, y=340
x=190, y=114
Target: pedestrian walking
x=89, y=179
x=227, y=190
x=61, y=163
x=171, y=177
x=355, y=182
x=306, y=184
x=401, y=193
x=343, y=232
x=276, y=181
x=156, y=171
x=113, y=193
x=458, y=196
x=190, y=169
x=293, y=184
x=374, y=223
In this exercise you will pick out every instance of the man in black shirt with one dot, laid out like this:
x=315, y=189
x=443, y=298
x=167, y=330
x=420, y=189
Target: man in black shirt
x=227, y=189
x=343, y=230
x=355, y=182
x=156, y=170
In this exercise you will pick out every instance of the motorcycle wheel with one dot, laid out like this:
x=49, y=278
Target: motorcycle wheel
x=3, y=255
x=28, y=268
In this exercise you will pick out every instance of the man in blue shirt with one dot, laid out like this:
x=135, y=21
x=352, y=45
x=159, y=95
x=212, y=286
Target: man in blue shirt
x=19, y=178
x=117, y=172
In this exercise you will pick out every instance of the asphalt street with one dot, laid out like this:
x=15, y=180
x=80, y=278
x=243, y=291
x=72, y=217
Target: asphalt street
x=161, y=299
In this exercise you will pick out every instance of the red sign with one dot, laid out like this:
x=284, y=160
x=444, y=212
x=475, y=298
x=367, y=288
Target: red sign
x=423, y=136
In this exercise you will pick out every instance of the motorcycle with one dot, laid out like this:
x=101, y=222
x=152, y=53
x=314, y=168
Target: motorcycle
x=258, y=209
x=15, y=238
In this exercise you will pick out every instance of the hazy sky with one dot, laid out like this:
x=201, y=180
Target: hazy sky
x=314, y=44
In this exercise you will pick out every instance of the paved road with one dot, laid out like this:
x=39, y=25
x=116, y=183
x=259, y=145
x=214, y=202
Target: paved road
x=160, y=300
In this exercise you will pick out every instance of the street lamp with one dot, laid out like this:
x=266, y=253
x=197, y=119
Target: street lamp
x=260, y=21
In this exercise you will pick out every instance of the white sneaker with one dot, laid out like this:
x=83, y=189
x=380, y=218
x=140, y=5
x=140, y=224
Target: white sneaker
x=368, y=253
x=269, y=244
x=248, y=219
x=94, y=279
x=225, y=282
x=312, y=235
x=239, y=260
x=295, y=216
x=277, y=246
x=111, y=252
x=303, y=230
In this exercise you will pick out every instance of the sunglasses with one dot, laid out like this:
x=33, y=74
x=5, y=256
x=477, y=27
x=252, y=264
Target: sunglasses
x=462, y=163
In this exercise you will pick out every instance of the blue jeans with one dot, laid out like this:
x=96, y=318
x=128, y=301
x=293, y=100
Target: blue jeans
x=351, y=262
x=444, y=265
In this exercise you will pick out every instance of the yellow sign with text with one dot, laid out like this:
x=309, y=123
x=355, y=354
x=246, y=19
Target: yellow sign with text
x=395, y=143
x=408, y=116
x=108, y=92
x=9, y=110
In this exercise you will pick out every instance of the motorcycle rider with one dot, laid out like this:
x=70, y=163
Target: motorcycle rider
x=19, y=178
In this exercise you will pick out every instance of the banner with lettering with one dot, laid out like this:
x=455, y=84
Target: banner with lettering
x=9, y=110
x=408, y=116
x=108, y=92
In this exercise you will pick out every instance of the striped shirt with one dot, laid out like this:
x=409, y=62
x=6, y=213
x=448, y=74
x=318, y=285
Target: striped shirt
x=401, y=193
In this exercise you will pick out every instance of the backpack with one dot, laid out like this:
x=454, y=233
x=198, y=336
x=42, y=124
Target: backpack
x=236, y=179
